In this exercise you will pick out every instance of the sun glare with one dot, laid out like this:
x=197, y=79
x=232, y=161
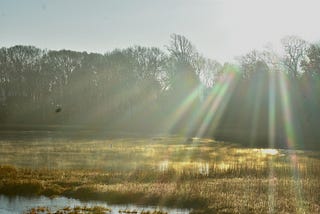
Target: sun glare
x=269, y=151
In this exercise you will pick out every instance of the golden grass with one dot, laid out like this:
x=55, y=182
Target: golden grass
x=204, y=175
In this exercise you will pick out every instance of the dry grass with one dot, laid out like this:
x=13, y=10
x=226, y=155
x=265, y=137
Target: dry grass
x=71, y=210
x=207, y=176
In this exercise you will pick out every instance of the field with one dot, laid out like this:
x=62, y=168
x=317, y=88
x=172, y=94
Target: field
x=204, y=175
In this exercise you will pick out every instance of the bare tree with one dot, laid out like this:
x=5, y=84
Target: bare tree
x=182, y=67
x=252, y=63
x=181, y=48
x=209, y=71
x=311, y=65
x=295, y=51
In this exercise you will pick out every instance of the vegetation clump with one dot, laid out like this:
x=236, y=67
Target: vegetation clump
x=70, y=210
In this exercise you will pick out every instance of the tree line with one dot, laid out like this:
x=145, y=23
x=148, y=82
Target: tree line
x=261, y=100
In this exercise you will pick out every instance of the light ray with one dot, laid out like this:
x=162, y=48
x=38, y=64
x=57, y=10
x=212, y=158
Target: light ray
x=217, y=102
x=174, y=117
x=287, y=114
x=271, y=136
x=255, y=116
x=272, y=111
x=291, y=138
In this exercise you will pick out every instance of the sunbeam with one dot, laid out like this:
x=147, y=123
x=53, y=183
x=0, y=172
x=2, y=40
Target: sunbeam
x=179, y=113
x=271, y=139
x=287, y=114
x=217, y=102
x=255, y=114
x=291, y=139
x=272, y=110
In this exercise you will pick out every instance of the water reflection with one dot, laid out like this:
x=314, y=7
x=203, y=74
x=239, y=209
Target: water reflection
x=18, y=205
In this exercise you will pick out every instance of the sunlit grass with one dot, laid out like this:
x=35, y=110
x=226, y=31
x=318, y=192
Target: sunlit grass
x=132, y=153
x=203, y=174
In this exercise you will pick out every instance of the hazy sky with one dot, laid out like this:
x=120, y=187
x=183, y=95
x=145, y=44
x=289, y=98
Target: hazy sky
x=220, y=29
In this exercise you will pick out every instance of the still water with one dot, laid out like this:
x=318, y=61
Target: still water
x=19, y=204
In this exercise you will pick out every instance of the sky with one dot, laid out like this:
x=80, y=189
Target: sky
x=220, y=29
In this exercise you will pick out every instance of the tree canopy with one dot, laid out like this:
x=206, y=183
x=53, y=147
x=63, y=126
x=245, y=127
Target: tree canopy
x=142, y=88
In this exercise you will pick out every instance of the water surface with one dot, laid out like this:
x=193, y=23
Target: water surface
x=19, y=204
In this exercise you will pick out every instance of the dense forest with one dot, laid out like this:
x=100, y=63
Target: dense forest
x=265, y=99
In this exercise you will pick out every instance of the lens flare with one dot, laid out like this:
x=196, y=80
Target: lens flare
x=217, y=102
x=291, y=137
x=180, y=112
x=272, y=111
x=287, y=114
